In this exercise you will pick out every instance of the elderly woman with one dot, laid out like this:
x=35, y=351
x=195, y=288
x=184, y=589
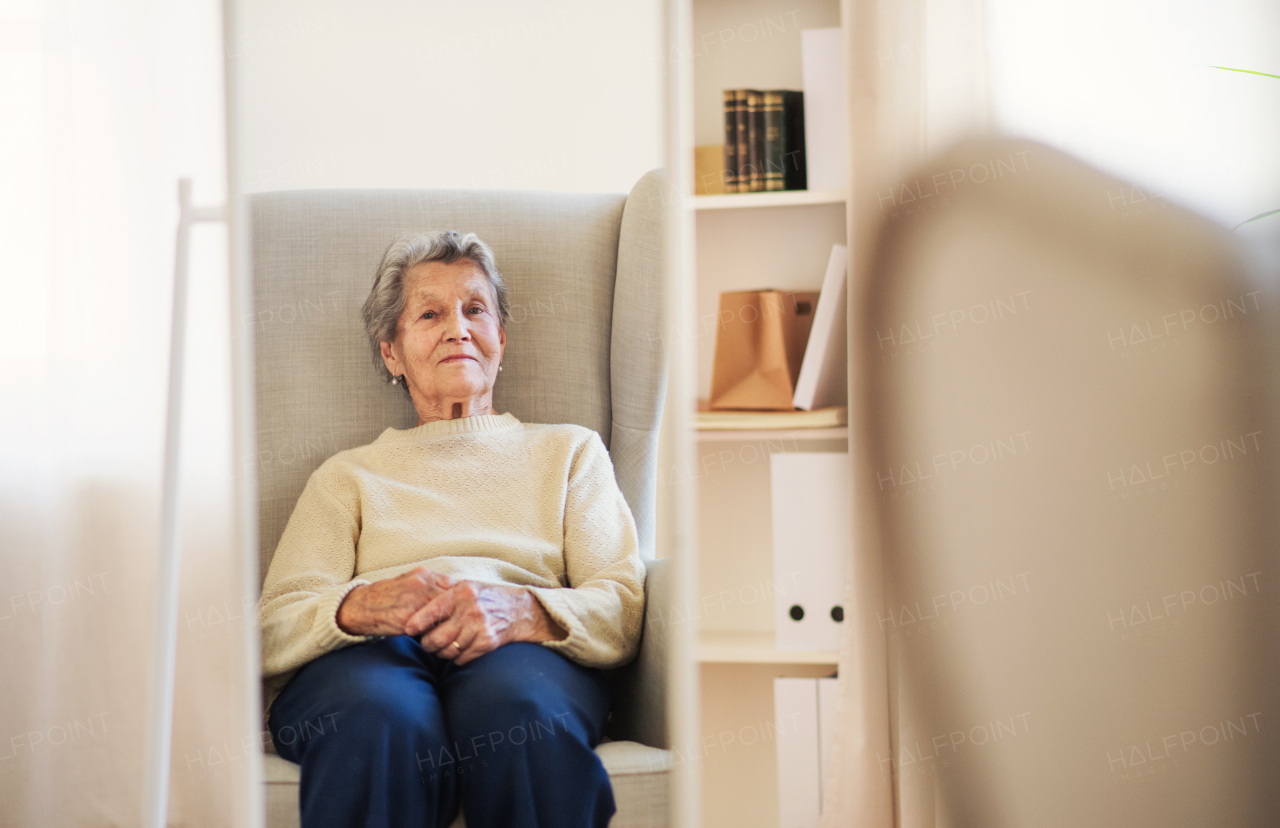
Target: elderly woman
x=443, y=599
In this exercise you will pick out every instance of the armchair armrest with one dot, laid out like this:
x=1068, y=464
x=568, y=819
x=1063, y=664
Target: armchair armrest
x=640, y=687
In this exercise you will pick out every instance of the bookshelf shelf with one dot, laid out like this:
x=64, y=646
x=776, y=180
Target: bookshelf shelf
x=786, y=198
x=754, y=648
x=773, y=434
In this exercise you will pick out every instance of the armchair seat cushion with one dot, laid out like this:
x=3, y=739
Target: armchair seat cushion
x=639, y=775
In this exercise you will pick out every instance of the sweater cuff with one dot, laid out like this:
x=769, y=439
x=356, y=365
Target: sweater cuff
x=553, y=601
x=327, y=632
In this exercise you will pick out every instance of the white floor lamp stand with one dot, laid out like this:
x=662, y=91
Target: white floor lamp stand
x=165, y=637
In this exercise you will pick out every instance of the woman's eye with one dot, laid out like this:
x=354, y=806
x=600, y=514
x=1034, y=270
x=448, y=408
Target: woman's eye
x=429, y=315
x=476, y=310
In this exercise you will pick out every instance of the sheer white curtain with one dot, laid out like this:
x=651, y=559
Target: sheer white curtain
x=104, y=105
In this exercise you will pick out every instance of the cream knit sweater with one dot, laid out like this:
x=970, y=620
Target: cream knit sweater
x=485, y=498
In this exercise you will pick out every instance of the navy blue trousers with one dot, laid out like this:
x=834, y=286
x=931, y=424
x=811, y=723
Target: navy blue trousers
x=388, y=734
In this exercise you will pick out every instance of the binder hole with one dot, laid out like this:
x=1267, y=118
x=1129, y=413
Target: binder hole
x=796, y=612
x=837, y=613
x=804, y=308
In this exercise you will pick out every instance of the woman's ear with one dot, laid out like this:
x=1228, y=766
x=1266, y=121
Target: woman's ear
x=389, y=359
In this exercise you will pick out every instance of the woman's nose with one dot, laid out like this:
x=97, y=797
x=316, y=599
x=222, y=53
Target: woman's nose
x=456, y=327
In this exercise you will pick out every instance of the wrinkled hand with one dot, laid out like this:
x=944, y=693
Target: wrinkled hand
x=384, y=607
x=480, y=617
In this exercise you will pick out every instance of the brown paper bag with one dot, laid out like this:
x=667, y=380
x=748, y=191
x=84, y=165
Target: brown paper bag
x=759, y=347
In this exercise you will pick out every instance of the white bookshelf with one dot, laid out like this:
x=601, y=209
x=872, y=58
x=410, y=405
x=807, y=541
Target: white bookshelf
x=786, y=198
x=748, y=647
x=771, y=437
x=746, y=241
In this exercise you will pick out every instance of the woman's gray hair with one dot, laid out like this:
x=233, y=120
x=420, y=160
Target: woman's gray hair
x=381, y=311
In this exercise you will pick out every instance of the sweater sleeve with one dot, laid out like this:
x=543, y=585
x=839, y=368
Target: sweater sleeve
x=310, y=574
x=602, y=608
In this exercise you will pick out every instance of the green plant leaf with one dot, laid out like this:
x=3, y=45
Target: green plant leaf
x=1255, y=218
x=1247, y=71
x=1265, y=75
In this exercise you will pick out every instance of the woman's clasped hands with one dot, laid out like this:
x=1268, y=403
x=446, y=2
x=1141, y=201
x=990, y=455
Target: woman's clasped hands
x=459, y=620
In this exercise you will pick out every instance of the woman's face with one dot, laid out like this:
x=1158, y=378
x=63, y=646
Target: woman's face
x=448, y=343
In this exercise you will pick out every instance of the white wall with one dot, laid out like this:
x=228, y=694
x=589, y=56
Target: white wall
x=501, y=94
x=1128, y=85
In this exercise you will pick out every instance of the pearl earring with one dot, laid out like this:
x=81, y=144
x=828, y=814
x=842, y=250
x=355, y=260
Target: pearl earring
x=499, y=367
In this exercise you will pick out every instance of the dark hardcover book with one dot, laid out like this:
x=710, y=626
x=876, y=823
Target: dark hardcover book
x=730, y=141
x=755, y=140
x=775, y=138
x=794, y=175
x=743, y=142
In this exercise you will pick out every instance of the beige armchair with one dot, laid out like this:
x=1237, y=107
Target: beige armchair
x=584, y=346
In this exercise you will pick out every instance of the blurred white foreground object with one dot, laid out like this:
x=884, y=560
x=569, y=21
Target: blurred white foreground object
x=1071, y=452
